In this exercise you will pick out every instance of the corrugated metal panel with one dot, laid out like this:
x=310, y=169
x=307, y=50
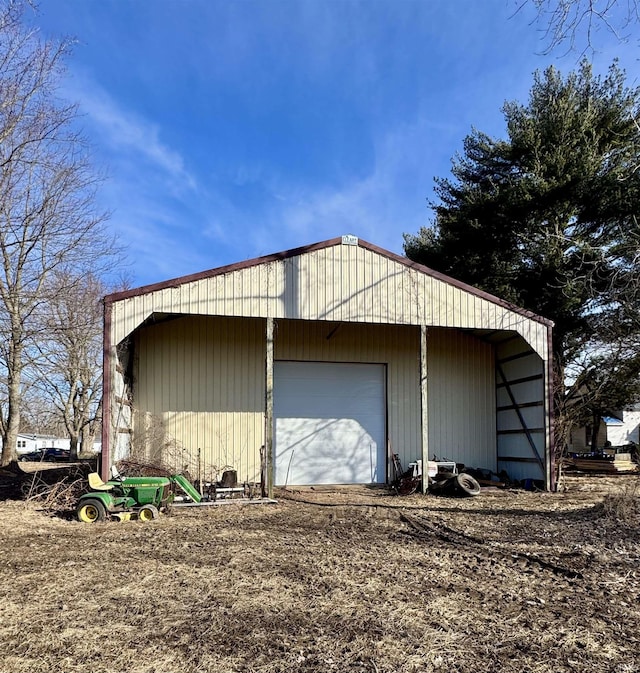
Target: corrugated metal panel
x=461, y=399
x=526, y=392
x=121, y=417
x=521, y=411
x=201, y=380
x=344, y=283
x=461, y=383
x=348, y=342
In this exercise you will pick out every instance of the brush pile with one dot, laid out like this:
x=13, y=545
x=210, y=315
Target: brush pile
x=54, y=486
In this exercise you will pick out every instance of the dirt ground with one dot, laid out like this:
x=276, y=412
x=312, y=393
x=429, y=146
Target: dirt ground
x=331, y=580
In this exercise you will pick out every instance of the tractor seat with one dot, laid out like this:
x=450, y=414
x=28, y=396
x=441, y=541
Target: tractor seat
x=96, y=484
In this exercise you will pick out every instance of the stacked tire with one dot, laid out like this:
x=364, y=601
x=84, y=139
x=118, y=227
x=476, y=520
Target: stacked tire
x=461, y=485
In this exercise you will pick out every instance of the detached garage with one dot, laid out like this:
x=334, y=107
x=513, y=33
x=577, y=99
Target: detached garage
x=315, y=365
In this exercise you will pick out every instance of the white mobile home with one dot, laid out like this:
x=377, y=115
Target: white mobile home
x=26, y=443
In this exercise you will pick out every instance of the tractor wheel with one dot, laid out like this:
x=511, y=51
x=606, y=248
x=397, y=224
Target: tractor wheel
x=467, y=484
x=90, y=511
x=148, y=513
x=407, y=485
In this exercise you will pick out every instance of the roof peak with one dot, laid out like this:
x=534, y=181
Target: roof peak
x=345, y=240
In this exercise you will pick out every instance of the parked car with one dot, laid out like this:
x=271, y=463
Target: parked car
x=49, y=455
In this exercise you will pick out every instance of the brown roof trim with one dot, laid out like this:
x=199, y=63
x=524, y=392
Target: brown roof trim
x=278, y=256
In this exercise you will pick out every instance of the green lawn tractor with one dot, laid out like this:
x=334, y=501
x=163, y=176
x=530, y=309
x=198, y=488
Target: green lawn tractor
x=131, y=497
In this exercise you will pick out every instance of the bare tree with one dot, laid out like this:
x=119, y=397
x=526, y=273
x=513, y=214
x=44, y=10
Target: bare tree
x=69, y=366
x=48, y=219
x=38, y=416
x=575, y=23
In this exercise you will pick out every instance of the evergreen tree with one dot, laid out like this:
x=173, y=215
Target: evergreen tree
x=548, y=219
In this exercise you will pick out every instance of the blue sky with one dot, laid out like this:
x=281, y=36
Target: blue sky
x=235, y=129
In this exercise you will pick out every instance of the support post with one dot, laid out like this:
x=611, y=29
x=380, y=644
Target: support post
x=550, y=452
x=268, y=407
x=107, y=364
x=424, y=333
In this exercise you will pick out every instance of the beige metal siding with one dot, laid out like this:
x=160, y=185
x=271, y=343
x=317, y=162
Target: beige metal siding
x=461, y=383
x=201, y=380
x=581, y=438
x=343, y=283
x=461, y=388
x=199, y=384
x=383, y=344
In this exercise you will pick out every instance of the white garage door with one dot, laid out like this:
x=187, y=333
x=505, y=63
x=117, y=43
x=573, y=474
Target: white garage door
x=329, y=423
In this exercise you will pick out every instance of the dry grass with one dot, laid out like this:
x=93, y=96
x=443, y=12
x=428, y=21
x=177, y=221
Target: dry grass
x=352, y=580
x=624, y=506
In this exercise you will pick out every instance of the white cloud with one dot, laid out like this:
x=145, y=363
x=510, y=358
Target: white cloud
x=149, y=191
x=129, y=135
x=175, y=223
x=388, y=202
